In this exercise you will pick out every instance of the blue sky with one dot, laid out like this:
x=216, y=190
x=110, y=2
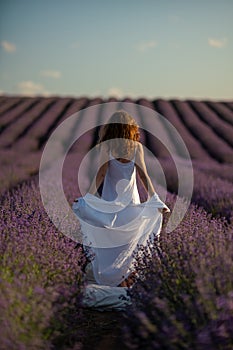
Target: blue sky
x=150, y=48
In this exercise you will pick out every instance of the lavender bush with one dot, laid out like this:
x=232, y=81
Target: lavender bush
x=212, y=193
x=223, y=171
x=41, y=276
x=183, y=299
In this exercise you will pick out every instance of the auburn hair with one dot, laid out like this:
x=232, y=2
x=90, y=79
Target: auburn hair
x=120, y=132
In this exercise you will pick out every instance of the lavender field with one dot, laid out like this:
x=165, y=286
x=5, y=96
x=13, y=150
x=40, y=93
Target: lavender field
x=183, y=298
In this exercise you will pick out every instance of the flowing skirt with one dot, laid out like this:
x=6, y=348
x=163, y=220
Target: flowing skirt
x=113, y=230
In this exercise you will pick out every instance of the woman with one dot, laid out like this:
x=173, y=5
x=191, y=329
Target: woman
x=117, y=222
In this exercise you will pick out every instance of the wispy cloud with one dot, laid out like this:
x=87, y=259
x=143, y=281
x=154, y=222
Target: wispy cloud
x=51, y=74
x=29, y=88
x=8, y=47
x=218, y=43
x=115, y=92
x=146, y=45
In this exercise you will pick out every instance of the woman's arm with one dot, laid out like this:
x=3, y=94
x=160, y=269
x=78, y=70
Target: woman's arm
x=142, y=170
x=103, y=166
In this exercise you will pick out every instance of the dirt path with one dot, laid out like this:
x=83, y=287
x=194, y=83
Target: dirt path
x=103, y=330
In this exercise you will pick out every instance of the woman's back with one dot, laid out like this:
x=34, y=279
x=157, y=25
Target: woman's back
x=120, y=179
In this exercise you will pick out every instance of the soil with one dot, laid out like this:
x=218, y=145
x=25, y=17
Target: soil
x=103, y=330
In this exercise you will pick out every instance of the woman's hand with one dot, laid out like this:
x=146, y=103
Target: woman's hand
x=163, y=210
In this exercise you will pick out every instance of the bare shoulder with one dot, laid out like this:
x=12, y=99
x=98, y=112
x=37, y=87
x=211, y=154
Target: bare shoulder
x=139, y=149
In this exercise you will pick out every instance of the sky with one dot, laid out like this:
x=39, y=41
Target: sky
x=124, y=48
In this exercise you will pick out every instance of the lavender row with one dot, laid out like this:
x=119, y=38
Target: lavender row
x=228, y=104
x=37, y=130
x=214, y=145
x=15, y=168
x=220, y=127
x=223, y=171
x=151, y=121
x=7, y=103
x=63, y=114
x=89, y=118
x=222, y=110
x=41, y=276
x=12, y=115
x=3, y=99
x=19, y=128
x=195, y=149
x=212, y=193
x=183, y=296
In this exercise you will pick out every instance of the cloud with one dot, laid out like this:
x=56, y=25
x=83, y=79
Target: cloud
x=8, y=47
x=29, y=88
x=115, y=92
x=51, y=74
x=146, y=45
x=218, y=43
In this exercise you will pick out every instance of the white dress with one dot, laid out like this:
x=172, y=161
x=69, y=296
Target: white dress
x=116, y=223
